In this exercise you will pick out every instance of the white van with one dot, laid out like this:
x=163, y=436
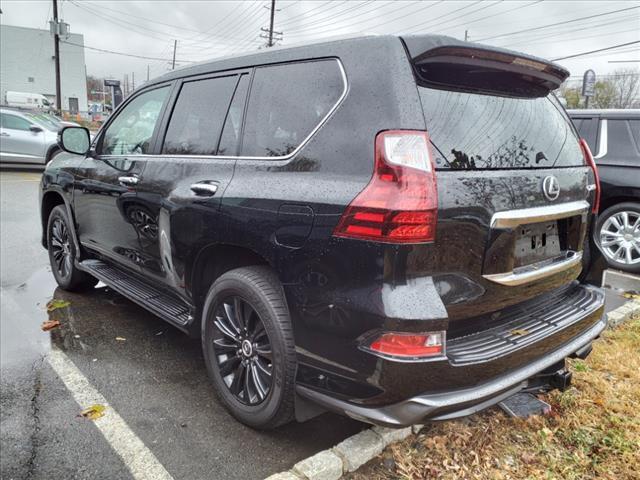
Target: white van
x=27, y=100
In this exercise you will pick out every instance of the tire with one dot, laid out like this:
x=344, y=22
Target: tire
x=620, y=245
x=62, y=253
x=239, y=372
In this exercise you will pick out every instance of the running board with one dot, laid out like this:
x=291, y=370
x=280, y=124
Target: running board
x=165, y=306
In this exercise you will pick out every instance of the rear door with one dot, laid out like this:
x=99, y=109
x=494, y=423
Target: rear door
x=513, y=188
x=181, y=188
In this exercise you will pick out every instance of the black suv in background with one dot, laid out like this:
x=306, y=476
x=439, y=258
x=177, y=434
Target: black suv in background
x=614, y=139
x=387, y=227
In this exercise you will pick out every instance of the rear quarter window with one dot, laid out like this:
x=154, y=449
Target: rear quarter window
x=623, y=145
x=287, y=102
x=473, y=131
x=588, y=129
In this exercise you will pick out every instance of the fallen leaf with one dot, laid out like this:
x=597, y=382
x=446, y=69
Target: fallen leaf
x=56, y=303
x=632, y=295
x=93, y=412
x=121, y=339
x=519, y=332
x=49, y=324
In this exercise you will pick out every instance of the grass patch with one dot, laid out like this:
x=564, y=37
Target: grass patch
x=593, y=431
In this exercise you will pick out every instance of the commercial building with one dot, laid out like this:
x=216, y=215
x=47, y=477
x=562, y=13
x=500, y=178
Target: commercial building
x=27, y=65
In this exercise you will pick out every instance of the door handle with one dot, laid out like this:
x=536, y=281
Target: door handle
x=3, y=134
x=129, y=180
x=206, y=189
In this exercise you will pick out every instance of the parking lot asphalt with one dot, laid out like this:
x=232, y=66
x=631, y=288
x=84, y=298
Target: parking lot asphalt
x=151, y=374
x=148, y=372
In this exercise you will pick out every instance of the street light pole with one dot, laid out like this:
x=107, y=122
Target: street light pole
x=56, y=49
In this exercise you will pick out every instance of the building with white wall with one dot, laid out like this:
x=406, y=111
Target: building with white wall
x=27, y=65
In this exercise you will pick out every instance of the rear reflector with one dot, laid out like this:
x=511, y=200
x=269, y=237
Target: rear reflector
x=400, y=203
x=409, y=345
x=588, y=156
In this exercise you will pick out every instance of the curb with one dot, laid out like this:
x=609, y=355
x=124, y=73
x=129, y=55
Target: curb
x=355, y=451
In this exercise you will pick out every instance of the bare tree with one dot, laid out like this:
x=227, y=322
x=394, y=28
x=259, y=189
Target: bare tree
x=626, y=83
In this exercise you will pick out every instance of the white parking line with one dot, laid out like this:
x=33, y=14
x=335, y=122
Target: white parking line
x=142, y=464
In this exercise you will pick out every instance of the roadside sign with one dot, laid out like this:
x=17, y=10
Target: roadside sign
x=111, y=83
x=588, y=83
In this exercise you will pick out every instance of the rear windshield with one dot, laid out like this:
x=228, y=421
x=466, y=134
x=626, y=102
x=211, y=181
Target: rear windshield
x=472, y=131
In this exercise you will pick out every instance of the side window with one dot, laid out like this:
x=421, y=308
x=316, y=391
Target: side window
x=286, y=103
x=13, y=122
x=131, y=131
x=230, y=140
x=588, y=129
x=622, y=146
x=198, y=116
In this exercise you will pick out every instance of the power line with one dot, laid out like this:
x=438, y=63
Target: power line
x=369, y=27
x=595, y=51
x=327, y=21
x=488, y=16
x=133, y=55
x=557, y=23
x=565, y=31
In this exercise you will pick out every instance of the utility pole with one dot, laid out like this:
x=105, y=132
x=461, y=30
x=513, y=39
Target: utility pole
x=466, y=35
x=273, y=12
x=147, y=73
x=175, y=45
x=56, y=50
x=270, y=32
x=133, y=81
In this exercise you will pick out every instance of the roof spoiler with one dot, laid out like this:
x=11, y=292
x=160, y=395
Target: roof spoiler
x=448, y=63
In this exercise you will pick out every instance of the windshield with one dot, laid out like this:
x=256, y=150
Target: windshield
x=472, y=131
x=49, y=122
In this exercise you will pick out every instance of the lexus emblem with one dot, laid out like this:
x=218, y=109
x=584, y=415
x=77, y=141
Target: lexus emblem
x=551, y=188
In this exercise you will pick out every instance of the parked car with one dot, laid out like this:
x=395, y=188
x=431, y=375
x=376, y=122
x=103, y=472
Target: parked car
x=614, y=137
x=28, y=137
x=387, y=227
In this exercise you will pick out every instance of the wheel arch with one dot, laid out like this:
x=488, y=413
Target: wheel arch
x=214, y=260
x=611, y=201
x=51, y=199
x=51, y=151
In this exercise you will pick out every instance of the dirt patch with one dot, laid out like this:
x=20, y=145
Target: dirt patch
x=593, y=431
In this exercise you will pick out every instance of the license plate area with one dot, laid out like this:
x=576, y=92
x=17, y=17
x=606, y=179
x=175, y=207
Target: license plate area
x=536, y=242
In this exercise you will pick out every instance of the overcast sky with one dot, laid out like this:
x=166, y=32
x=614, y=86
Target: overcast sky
x=207, y=29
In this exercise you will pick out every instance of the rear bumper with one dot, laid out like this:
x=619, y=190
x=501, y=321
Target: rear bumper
x=446, y=405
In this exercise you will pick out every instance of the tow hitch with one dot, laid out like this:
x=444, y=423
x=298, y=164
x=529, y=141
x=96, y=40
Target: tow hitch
x=561, y=379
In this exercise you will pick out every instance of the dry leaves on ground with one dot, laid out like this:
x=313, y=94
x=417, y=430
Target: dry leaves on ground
x=593, y=431
x=49, y=324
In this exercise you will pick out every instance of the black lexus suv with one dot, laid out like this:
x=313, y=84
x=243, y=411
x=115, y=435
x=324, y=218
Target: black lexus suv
x=387, y=227
x=614, y=137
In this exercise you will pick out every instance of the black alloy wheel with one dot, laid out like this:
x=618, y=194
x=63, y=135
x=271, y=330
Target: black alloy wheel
x=62, y=253
x=243, y=350
x=60, y=244
x=248, y=346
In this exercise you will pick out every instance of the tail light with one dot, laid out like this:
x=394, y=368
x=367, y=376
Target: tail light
x=588, y=156
x=400, y=203
x=408, y=345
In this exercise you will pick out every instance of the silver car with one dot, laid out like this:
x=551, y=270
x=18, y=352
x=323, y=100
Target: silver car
x=28, y=137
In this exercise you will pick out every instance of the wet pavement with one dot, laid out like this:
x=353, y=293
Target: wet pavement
x=153, y=376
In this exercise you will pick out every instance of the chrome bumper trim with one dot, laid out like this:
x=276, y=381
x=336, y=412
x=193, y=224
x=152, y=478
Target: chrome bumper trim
x=512, y=279
x=513, y=218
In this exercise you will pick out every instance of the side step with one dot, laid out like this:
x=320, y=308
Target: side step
x=167, y=307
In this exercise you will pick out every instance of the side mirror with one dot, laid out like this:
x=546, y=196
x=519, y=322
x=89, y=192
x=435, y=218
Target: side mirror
x=35, y=129
x=74, y=140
